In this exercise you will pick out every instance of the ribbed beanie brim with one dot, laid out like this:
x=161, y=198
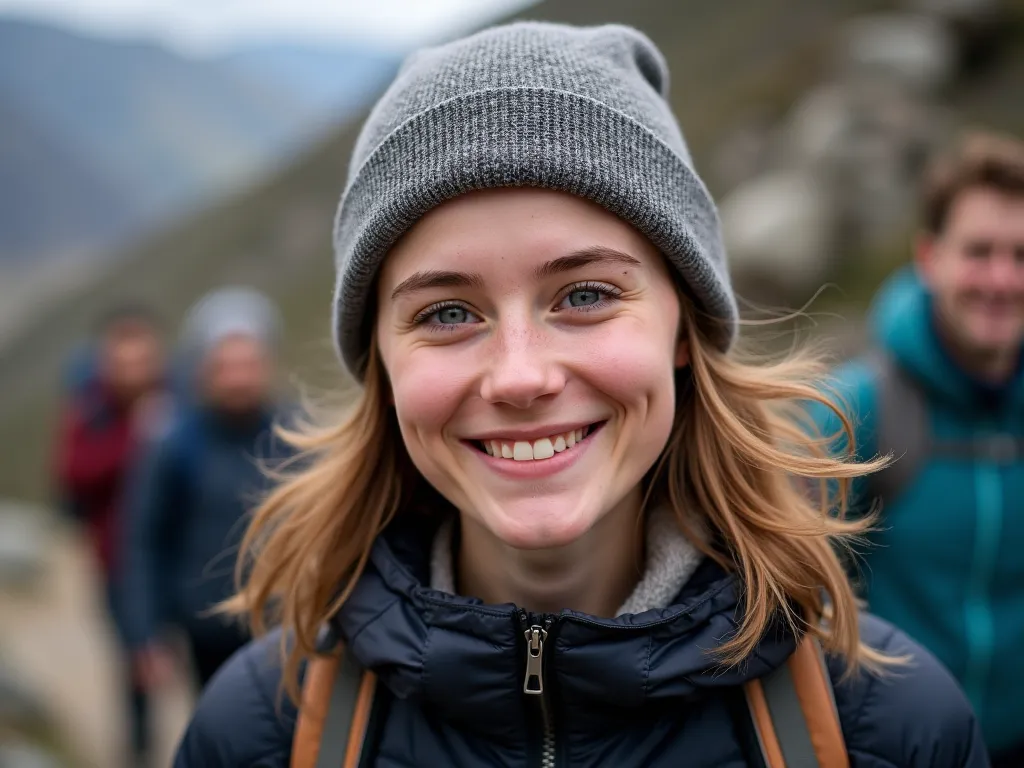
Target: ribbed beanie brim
x=581, y=111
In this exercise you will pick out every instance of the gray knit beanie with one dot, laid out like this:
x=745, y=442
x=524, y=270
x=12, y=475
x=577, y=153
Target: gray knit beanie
x=579, y=110
x=233, y=310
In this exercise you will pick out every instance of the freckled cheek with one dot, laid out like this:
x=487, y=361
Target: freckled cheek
x=428, y=393
x=628, y=366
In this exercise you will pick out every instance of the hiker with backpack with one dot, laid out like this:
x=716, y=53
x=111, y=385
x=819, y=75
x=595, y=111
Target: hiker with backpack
x=107, y=415
x=193, y=489
x=942, y=390
x=558, y=524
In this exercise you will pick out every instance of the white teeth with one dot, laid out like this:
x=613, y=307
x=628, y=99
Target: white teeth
x=522, y=451
x=543, y=449
x=537, y=450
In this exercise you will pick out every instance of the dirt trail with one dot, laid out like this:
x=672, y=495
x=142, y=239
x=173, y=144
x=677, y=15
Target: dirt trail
x=60, y=646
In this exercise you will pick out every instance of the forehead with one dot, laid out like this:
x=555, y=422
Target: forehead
x=237, y=346
x=129, y=330
x=510, y=231
x=982, y=210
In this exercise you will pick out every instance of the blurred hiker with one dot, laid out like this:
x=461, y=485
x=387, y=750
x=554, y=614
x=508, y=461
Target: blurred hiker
x=112, y=405
x=81, y=367
x=943, y=391
x=557, y=525
x=189, y=500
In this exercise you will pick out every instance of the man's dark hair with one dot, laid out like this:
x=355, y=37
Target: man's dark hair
x=980, y=160
x=128, y=313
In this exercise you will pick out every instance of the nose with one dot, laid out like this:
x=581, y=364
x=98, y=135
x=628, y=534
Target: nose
x=521, y=369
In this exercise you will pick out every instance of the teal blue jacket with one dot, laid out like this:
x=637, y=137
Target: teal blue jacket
x=946, y=563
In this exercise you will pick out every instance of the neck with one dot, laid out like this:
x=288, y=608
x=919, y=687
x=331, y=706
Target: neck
x=991, y=366
x=120, y=399
x=594, y=574
x=237, y=418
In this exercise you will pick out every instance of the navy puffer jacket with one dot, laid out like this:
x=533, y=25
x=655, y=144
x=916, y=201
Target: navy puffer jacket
x=637, y=690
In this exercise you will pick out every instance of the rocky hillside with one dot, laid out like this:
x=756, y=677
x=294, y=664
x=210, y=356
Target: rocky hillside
x=736, y=66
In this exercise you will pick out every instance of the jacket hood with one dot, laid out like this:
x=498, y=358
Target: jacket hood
x=466, y=661
x=901, y=321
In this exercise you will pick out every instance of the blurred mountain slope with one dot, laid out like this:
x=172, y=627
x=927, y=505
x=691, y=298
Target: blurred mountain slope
x=727, y=59
x=331, y=80
x=158, y=134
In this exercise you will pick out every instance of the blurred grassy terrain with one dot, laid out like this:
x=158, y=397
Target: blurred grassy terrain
x=727, y=60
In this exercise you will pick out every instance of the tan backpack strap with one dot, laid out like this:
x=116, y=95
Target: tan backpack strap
x=771, y=752
x=817, y=699
x=360, y=720
x=794, y=713
x=337, y=700
x=316, y=696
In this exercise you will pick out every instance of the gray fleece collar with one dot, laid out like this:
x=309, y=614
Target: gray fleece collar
x=671, y=560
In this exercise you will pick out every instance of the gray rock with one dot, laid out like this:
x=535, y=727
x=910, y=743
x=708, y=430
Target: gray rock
x=27, y=755
x=815, y=129
x=23, y=543
x=916, y=51
x=868, y=141
x=781, y=228
x=818, y=129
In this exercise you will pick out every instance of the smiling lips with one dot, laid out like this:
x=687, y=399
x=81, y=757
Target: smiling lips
x=534, y=450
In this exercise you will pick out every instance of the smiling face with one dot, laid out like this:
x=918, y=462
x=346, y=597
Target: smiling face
x=131, y=358
x=238, y=374
x=975, y=270
x=530, y=339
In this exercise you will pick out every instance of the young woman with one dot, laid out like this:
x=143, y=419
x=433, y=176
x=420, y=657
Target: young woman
x=559, y=477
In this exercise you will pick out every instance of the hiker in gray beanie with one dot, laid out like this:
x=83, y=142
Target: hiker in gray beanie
x=563, y=521
x=234, y=310
x=197, y=481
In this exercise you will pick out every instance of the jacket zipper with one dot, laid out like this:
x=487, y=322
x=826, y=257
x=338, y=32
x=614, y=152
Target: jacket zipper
x=533, y=684
x=535, y=630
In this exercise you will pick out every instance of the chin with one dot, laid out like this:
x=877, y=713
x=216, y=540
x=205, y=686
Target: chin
x=538, y=523
x=997, y=337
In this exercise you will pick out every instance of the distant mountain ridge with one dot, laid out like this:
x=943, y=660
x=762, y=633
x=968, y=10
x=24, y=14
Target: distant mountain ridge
x=313, y=72
x=79, y=200
x=105, y=139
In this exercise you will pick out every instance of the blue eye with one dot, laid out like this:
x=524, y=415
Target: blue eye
x=448, y=316
x=583, y=297
x=587, y=296
x=451, y=315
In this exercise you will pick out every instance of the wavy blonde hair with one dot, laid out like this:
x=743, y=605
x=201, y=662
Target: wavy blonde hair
x=751, y=480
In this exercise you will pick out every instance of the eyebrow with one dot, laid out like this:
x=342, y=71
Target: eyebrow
x=437, y=279
x=597, y=254
x=449, y=279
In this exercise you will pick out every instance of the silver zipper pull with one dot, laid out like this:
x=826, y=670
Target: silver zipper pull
x=534, y=683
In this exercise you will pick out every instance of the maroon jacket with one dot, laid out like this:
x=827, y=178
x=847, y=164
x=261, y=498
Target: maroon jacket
x=94, y=451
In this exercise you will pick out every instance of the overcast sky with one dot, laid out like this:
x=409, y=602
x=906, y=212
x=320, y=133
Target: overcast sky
x=208, y=26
